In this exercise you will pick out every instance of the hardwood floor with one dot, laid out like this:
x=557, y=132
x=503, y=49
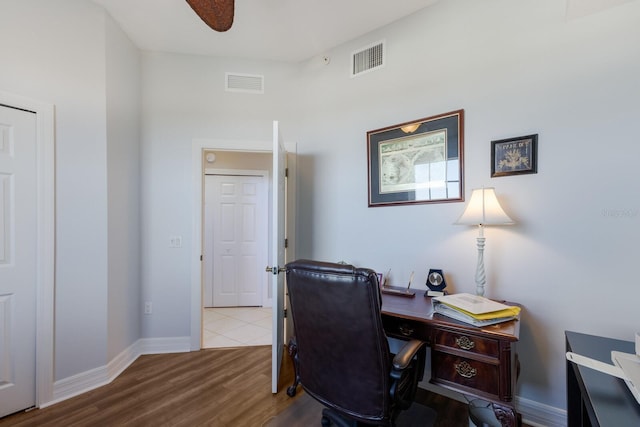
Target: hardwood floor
x=212, y=387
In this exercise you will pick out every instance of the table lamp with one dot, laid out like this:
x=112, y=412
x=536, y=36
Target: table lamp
x=483, y=209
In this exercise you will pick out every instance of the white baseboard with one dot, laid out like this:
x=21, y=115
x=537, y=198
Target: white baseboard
x=540, y=415
x=86, y=381
x=533, y=413
x=78, y=384
x=164, y=345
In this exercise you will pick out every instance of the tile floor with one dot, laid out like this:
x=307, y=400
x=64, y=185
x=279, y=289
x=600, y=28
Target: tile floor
x=236, y=326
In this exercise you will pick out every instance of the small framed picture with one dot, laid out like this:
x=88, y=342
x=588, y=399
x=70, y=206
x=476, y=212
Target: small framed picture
x=514, y=156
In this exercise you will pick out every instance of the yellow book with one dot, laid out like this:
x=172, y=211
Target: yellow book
x=474, y=309
x=512, y=311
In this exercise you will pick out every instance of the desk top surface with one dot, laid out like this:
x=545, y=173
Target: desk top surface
x=612, y=402
x=420, y=308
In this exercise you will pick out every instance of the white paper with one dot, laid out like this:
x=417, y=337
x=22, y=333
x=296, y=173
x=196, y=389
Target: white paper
x=475, y=304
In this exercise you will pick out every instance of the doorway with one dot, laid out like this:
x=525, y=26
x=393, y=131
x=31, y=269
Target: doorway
x=236, y=307
x=200, y=164
x=236, y=299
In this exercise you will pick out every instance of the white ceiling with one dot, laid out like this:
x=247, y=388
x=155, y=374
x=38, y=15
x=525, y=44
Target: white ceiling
x=283, y=30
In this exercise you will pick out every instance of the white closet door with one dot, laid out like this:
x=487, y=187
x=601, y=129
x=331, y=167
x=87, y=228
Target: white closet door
x=235, y=240
x=18, y=259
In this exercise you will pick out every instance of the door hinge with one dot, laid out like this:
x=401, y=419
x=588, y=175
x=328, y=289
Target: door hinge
x=200, y=257
x=286, y=172
x=285, y=313
x=286, y=243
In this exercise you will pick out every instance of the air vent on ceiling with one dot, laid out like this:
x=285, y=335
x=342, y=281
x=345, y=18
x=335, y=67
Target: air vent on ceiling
x=247, y=83
x=367, y=59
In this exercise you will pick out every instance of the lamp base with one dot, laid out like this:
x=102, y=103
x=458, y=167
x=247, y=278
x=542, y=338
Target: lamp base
x=481, y=278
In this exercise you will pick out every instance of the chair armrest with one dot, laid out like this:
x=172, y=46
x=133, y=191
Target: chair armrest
x=407, y=369
x=403, y=358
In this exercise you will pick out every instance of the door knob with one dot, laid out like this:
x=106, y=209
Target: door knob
x=275, y=270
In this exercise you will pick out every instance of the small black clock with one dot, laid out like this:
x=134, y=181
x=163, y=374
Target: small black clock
x=435, y=283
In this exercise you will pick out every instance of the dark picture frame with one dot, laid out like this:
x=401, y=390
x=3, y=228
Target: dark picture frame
x=514, y=156
x=421, y=161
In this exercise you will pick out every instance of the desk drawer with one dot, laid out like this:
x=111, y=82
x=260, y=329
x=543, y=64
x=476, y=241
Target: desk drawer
x=484, y=377
x=404, y=328
x=466, y=342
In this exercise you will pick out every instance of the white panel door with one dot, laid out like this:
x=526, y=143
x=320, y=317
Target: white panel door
x=18, y=262
x=278, y=254
x=235, y=240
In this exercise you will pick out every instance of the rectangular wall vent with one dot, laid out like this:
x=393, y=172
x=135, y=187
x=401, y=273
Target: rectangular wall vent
x=367, y=59
x=246, y=83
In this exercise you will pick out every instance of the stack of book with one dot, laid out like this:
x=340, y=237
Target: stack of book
x=474, y=309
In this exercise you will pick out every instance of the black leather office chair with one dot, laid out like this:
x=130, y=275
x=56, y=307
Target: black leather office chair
x=340, y=350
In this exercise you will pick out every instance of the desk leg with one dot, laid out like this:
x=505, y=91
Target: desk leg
x=507, y=415
x=574, y=395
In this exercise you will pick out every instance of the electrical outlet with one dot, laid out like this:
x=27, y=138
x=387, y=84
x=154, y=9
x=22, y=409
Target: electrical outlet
x=148, y=307
x=175, y=241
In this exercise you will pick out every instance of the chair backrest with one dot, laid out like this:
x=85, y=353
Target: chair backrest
x=343, y=353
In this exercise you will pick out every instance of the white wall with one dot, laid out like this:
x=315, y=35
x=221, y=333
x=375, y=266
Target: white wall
x=123, y=188
x=55, y=51
x=516, y=69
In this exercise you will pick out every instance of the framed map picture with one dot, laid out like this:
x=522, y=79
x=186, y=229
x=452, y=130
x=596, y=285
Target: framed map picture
x=417, y=162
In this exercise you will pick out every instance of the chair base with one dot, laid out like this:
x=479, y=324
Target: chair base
x=417, y=415
x=330, y=417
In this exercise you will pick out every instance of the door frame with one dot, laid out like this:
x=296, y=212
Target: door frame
x=45, y=255
x=265, y=301
x=198, y=147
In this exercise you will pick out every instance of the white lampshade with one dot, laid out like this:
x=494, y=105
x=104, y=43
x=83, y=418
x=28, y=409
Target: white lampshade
x=484, y=209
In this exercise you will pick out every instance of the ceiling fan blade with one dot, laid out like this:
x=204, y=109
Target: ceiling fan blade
x=217, y=14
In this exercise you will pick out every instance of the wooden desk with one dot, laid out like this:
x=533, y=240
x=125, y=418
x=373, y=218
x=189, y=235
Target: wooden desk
x=595, y=399
x=479, y=362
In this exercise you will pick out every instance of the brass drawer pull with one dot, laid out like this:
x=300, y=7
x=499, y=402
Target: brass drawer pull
x=465, y=343
x=405, y=330
x=465, y=370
